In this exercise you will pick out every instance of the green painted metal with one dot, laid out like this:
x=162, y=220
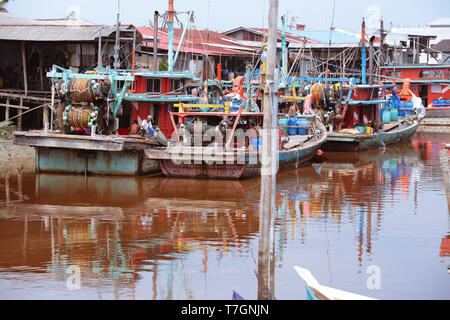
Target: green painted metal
x=58, y=160
x=161, y=98
x=119, y=100
x=170, y=51
x=190, y=14
x=165, y=74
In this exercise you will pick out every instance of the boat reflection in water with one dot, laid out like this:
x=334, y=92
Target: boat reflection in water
x=157, y=238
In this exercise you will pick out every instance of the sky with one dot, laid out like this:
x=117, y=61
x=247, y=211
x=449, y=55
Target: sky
x=222, y=15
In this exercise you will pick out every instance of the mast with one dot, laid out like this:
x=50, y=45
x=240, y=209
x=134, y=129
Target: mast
x=269, y=161
x=363, y=52
x=283, y=53
x=117, y=45
x=170, y=29
x=155, y=41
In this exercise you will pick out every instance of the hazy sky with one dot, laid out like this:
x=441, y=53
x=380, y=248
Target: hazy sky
x=223, y=15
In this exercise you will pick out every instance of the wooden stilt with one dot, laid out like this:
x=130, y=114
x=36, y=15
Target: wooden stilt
x=7, y=110
x=19, y=120
x=24, y=67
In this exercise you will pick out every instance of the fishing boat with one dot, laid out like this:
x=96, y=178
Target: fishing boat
x=221, y=136
x=357, y=113
x=317, y=291
x=235, y=149
x=429, y=82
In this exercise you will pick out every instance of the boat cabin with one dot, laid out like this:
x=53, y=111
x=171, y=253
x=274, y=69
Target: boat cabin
x=154, y=93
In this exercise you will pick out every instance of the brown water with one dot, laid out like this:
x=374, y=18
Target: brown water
x=158, y=238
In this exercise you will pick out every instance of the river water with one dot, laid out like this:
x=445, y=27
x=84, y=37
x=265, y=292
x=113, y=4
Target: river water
x=71, y=237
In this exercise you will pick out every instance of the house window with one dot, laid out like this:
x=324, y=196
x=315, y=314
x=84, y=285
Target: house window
x=394, y=74
x=432, y=74
x=154, y=85
x=176, y=85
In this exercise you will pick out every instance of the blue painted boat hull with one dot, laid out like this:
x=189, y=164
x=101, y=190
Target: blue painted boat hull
x=353, y=143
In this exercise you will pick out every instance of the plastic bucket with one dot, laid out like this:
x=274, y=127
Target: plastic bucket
x=409, y=106
x=283, y=122
x=394, y=114
x=292, y=122
x=386, y=116
x=303, y=124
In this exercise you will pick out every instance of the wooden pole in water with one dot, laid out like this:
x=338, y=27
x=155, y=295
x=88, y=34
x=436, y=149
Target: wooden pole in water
x=268, y=174
x=444, y=159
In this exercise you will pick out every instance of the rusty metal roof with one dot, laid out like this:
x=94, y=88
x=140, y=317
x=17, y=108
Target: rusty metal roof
x=203, y=42
x=16, y=28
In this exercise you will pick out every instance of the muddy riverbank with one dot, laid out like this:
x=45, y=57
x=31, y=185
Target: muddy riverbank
x=14, y=157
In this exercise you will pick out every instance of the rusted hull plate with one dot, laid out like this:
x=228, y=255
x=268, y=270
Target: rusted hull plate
x=232, y=171
x=205, y=171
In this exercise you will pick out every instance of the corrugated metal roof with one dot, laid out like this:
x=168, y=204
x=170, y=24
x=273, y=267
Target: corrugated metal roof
x=203, y=42
x=9, y=18
x=13, y=27
x=440, y=22
x=443, y=46
x=337, y=36
x=53, y=33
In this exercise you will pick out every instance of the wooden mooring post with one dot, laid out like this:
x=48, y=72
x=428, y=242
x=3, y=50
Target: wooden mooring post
x=267, y=205
x=444, y=159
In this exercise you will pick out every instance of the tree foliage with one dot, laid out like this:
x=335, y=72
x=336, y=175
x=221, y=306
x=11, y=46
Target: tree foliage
x=164, y=65
x=3, y=3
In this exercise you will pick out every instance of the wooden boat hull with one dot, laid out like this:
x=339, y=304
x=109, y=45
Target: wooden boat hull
x=294, y=158
x=354, y=143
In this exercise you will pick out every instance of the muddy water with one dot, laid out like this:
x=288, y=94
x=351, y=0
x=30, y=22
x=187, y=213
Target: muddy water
x=67, y=237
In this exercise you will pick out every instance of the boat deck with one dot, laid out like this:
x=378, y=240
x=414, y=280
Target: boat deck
x=81, y=142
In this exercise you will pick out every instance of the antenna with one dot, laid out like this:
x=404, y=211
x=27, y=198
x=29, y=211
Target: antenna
x=117, y=45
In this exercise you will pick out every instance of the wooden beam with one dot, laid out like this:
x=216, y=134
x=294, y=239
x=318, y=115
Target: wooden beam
x=45, y=116
x=25, y=97
x=7, y=105
x=24, y=67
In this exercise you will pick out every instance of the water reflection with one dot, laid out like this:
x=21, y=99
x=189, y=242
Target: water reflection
x=155, y=238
